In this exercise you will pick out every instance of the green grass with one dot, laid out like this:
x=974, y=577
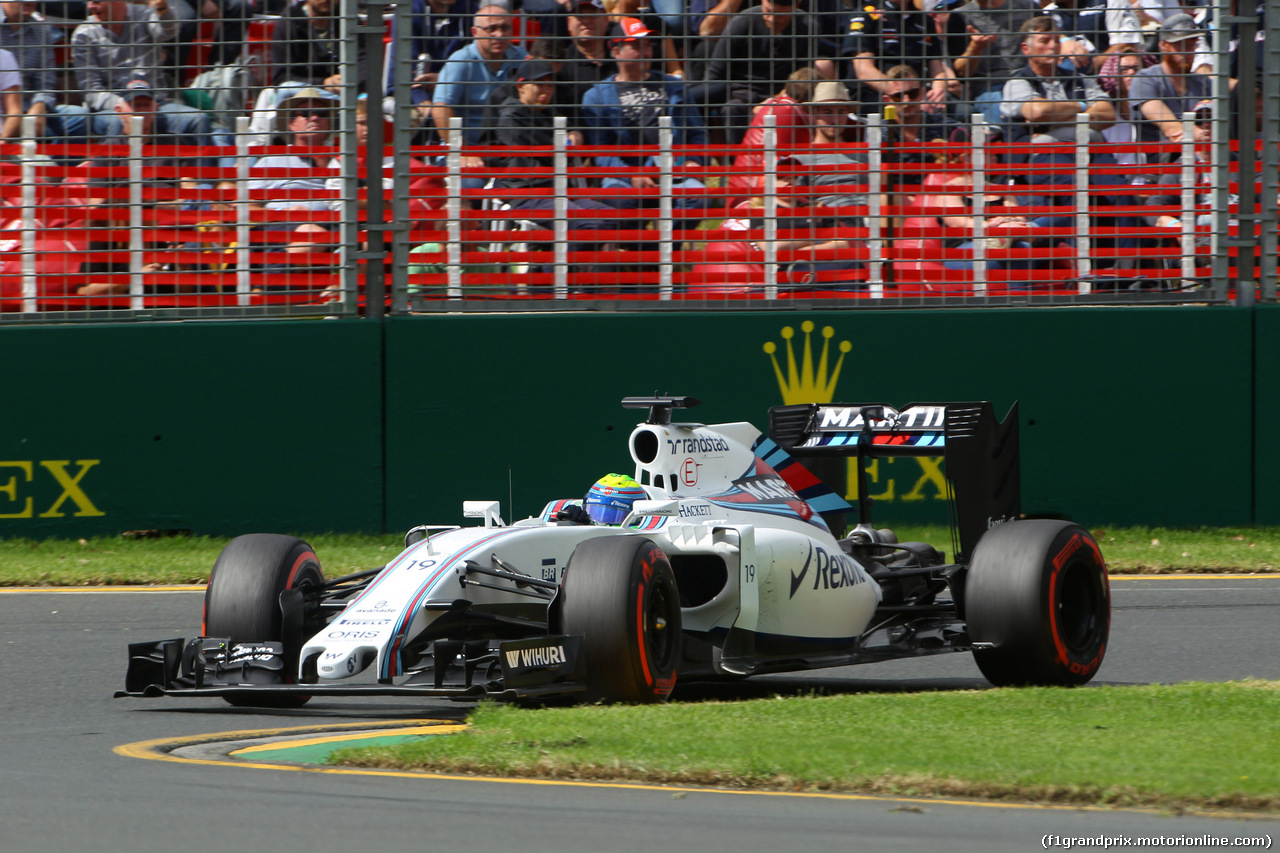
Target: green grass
x=170, y=560
x=166, y=560
x=1189, y=746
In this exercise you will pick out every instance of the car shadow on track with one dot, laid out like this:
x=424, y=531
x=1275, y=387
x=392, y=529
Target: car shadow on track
x=770, y=686
x=314, y=712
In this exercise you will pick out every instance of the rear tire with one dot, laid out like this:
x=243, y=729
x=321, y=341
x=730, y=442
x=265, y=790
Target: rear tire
x=1038, y=590
x=242, y=601
x=620, y=594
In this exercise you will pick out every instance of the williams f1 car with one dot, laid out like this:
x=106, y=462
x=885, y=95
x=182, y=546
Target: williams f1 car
x=729, y=567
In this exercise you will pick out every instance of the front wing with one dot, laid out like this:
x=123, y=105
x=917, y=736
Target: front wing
x=211, y=666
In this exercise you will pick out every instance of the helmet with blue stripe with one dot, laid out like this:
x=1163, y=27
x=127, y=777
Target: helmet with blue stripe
x=609, y=500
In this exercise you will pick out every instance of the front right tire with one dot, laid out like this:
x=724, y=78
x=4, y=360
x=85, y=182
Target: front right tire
x=242, y=601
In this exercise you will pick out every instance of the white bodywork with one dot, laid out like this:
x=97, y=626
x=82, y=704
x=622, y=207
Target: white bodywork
x=788, y=585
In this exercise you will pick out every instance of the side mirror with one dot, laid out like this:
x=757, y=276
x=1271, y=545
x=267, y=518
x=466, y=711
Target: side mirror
x=671, y=508
x=488, y=510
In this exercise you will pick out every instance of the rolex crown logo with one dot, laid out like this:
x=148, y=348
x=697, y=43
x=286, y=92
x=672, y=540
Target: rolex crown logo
x=804, y=384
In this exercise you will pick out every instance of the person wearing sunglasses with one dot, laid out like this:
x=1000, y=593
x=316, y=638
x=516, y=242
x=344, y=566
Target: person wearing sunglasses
x=473, y=72
x=898, y=32
x=624, y=112
x=908, y=124
x=294, y=178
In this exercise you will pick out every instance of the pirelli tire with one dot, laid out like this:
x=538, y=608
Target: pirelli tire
x=242, y=601
x=1037, y=590
x=619, y=593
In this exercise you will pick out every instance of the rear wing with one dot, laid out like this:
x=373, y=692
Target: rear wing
x=980, y=452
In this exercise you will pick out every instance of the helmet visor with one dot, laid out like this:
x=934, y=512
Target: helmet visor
x=607, y=513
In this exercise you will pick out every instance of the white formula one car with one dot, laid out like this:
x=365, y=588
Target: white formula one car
x=729, y=568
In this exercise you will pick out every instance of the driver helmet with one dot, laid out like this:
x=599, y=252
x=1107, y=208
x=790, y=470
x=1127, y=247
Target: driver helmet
x=610, y=499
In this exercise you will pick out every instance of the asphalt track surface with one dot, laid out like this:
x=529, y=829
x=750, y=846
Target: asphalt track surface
x=63, y=787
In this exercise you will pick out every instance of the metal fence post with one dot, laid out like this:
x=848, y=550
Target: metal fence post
x=1246, y=241
x=1269, y=200
x=350, y=257
x=1084, y=259
x=875, y=187
x=30, y=285
x=666, y=163
x=1219, y=153
x=374, y=254
x=402, y=83
x=133, y=127
x=978, y=171
x=1189, y=179
x=770, y=206
x=560, y=205
x=453, y=207
x=243, y=230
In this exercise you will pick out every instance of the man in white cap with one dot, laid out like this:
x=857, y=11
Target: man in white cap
x=834, y=176
x=829, y=113
x=304, y=120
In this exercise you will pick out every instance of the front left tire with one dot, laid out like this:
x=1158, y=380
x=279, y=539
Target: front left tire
x=619, y=593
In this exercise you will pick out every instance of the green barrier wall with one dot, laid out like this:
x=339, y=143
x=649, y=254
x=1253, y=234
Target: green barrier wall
x=237, y=427
x=1109, y=400
x=1266, y=408
x=215, y=428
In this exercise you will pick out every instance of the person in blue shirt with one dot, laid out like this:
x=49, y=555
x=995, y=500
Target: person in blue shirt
x=473, y=72
x=438, y=29
x=625, y=110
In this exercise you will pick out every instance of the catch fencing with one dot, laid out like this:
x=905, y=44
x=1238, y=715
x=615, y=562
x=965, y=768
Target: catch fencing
x=221, y=198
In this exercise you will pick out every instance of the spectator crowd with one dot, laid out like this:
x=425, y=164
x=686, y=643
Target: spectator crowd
x=179, y=72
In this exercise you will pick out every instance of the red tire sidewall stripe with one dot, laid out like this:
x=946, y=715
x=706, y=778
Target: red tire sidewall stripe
x=659, y=686
x=640, y=635
x=1060, y=561
x=292, y=677
x=646, y=572
x=297, y=566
